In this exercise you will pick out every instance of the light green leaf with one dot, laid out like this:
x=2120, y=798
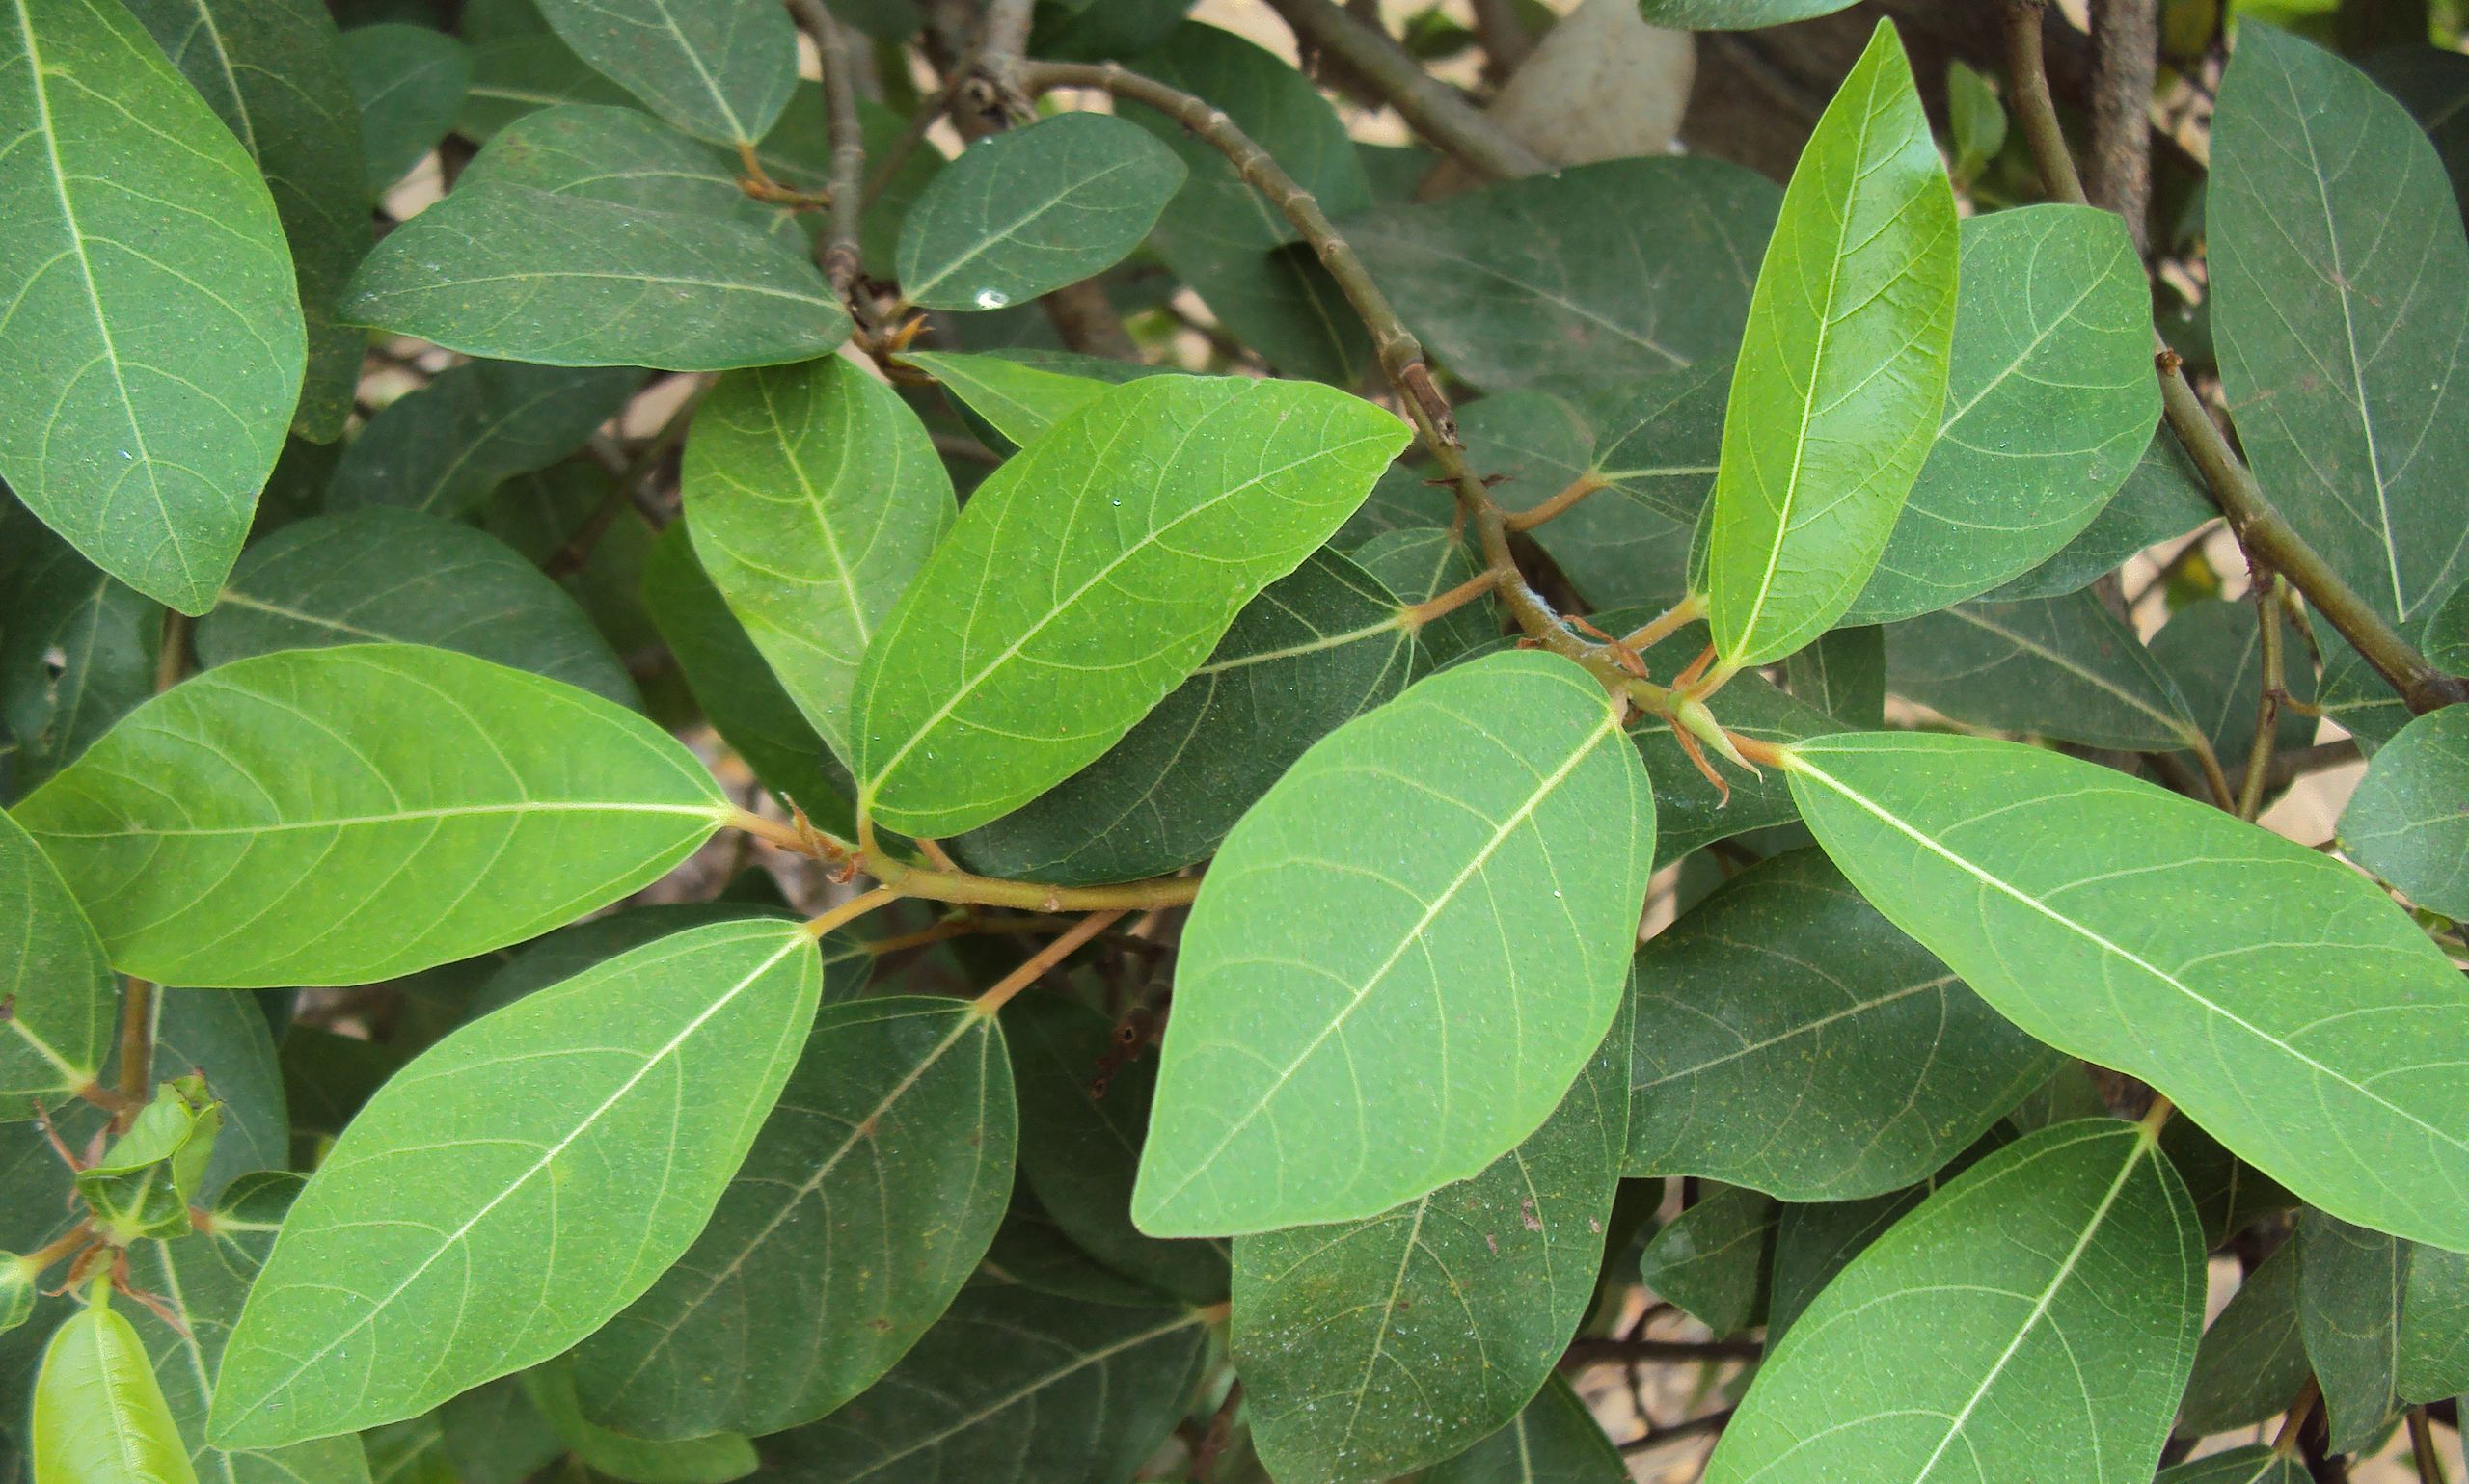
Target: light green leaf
x=391, y=577
x=1089, y=576
x=1465, y=890
x=2350, y=1286
x=1975, y=118
x=527, y=274
x=1313, y=651
x=866, y=1201
x=2253, y=1359
x=815, y=497
x=273, y=71
x=1225, y=240
x=1712, y=1259
x=444, y=449
x=1553, y=1441
x=226, y=1036
x=1012, y=1385
x=2408, y=821
x=78, y=648
x=1842, y=371
x=150, y=370
x=2213, y=652
x=2051, y=400
x=2058, y=1278
x=712, y=1459
x=54, y=983
x=99, y=1412
x=1597, y=274
x=1020, y=400
x=1791, y=1039
x=1032, y=210
x=512, y=975
x=560, y=1196
x=2434, y=1326
x=408, y=83
x=2334, y=234
x=2064, y=667
x=2031, y=874
x=718, y=71
x=1370, y=1349
x=2254, y=1464
x=1734, y=14
x=2161, y=500
x=741, y=697
x=341, y=816
x=514, y=75
x=1843, y=674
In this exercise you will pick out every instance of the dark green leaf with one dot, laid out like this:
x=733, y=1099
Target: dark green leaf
x=2212, y=650
x=1033, y=1251
x=514, y=75
x=2434, y=1326
x=2446, y=638
x=443, y=449
x=1713, y=1259
x=340, y=815
x=716, y=70
x=1793, y=1040
x=225, y=1037
x=1844, y=675
x=2254, y=1464
x=77, y=647
x=493, y=1433
x=530, y=1190
x=1734, y=14
x=408, y=83
x=1420, y=863
x=1420, y=564
x=2162, y=498
x=714, y=1458
x=1813, y=1241
x=2064, y=667
x=2350, y=1286
x=56, y=990
x=1553, y=1441
x=2253, y=1359
x=2408, y=821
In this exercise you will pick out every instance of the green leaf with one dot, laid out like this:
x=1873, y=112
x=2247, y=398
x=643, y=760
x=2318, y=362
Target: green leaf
x=1227, y=241
x=1420, y=863
x=2030, y=874
x=225, y=1037
x=2254, y=1464
x=2051, y=401
x=1084, y=1110
x=2446, y=638
x=493, y=1433
x=1597, y=274
x=273, y=71
x=1712, y=1260
x=1033, y=209
x=741, y=696
x=1420, y=564
x=560, y=1196
x=717, y=70
x=99, y=1412
x=150, y=371
x=1316, y=648
x=391, y=577
x=2058, y=1277
x=894, y=1136
x=515, y=76
x=408, y=82
x=562, y=955
x=1844, y=675
x=2334, y=234
x=2353, y=696
x=56, y=990
x=1030, y=1250
x=626, y=156
x=1020, y=400
x=1792, y=1041
x=2162, y=498
x=1370, y=1349
x=524, y=274
x=341, y=816
x=1734, y=14
x=2434, y=1326
x=1553, y=1441
x=2408, y=821
x=444, y=449
x=2064, y=667
x=1842, y=370
x=143, y=1182
x=2213, y=652
x=1012, y=1385
x=1089, y=576
x=1815, y=1240
x=1975, y=118
x=78, y=648
x=2350, y=1286
x=710, y=1459
x=815, y=497
x=2253, y=1359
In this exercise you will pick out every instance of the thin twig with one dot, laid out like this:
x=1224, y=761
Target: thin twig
x=1678, y=1352
x=2259, y=752
x=840, y=252
x=1503, y=34
x=1558, y=504
x=850, y=911
x=1695, y=1428
x=1431, y=106
x=1044, y=958
x=2285, y=1442
x=2422, y=1451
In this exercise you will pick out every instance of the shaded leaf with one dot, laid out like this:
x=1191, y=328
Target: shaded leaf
x=1815, y=1240
x=1418, y=565
x=2350, y=1286
x=710, y=1459
x=408, y=83
x=1844, y=675
x=717, y=70
x=2213, y=652
x=2434, y=1326
x=1712, y=1259
x=444, y=448
x=78, y=648
x=514, y=75
x=225, y=1037
x=1734, y=14
x=2162, y=498
x=2064, y=667
x=56, y=990
x=2254, y=1464
x=2408, y=821
x=1553, y=1441
x=1032, y=1252
x=2253, y=1359
x=492, y=1433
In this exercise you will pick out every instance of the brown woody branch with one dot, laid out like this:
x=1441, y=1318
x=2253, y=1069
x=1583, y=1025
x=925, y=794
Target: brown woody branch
x=1434, y=109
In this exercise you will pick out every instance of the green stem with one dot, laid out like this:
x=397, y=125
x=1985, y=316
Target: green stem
x=2258, y=752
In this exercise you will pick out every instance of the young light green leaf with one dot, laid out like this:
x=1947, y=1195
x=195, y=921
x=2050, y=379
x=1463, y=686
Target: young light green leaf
x=1553, y=1441
x=391, y=577
x=146, y=388
x=1791, y=1039
x=408, y=82
x=1020, y=400
x=1089, y=576
x=2059, y=1277
x=2162, y=498
x=2253, y=1359
x=1844, y=675
x=2212, y=651
x=2350, y=1286
x=1976, y=120
x=1714, y=1259
x=1842, y=371
x=2333, y=237
x=273, y=70
x=2050, y=403
x=2254, y=1464
x=1424, y=866
x=341, y=816
x=1013, y=1384
x=2408, y=821
x=529, y=275
x=79, y=647
x=2030, y=874
x=99, y=1412
x=1600, y=273
x=226, y=1036
x=560, y=1195
x=1370, y=1349
x=1313, y=651
x=1033, y=209
x=815, y=497
x=56, y=990
x=444, y=449
x=717, y=70
x=893, y=1138
x=2434, y=1326
x=2064, y=667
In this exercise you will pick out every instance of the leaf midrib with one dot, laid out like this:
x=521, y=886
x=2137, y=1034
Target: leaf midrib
x=712, y=812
